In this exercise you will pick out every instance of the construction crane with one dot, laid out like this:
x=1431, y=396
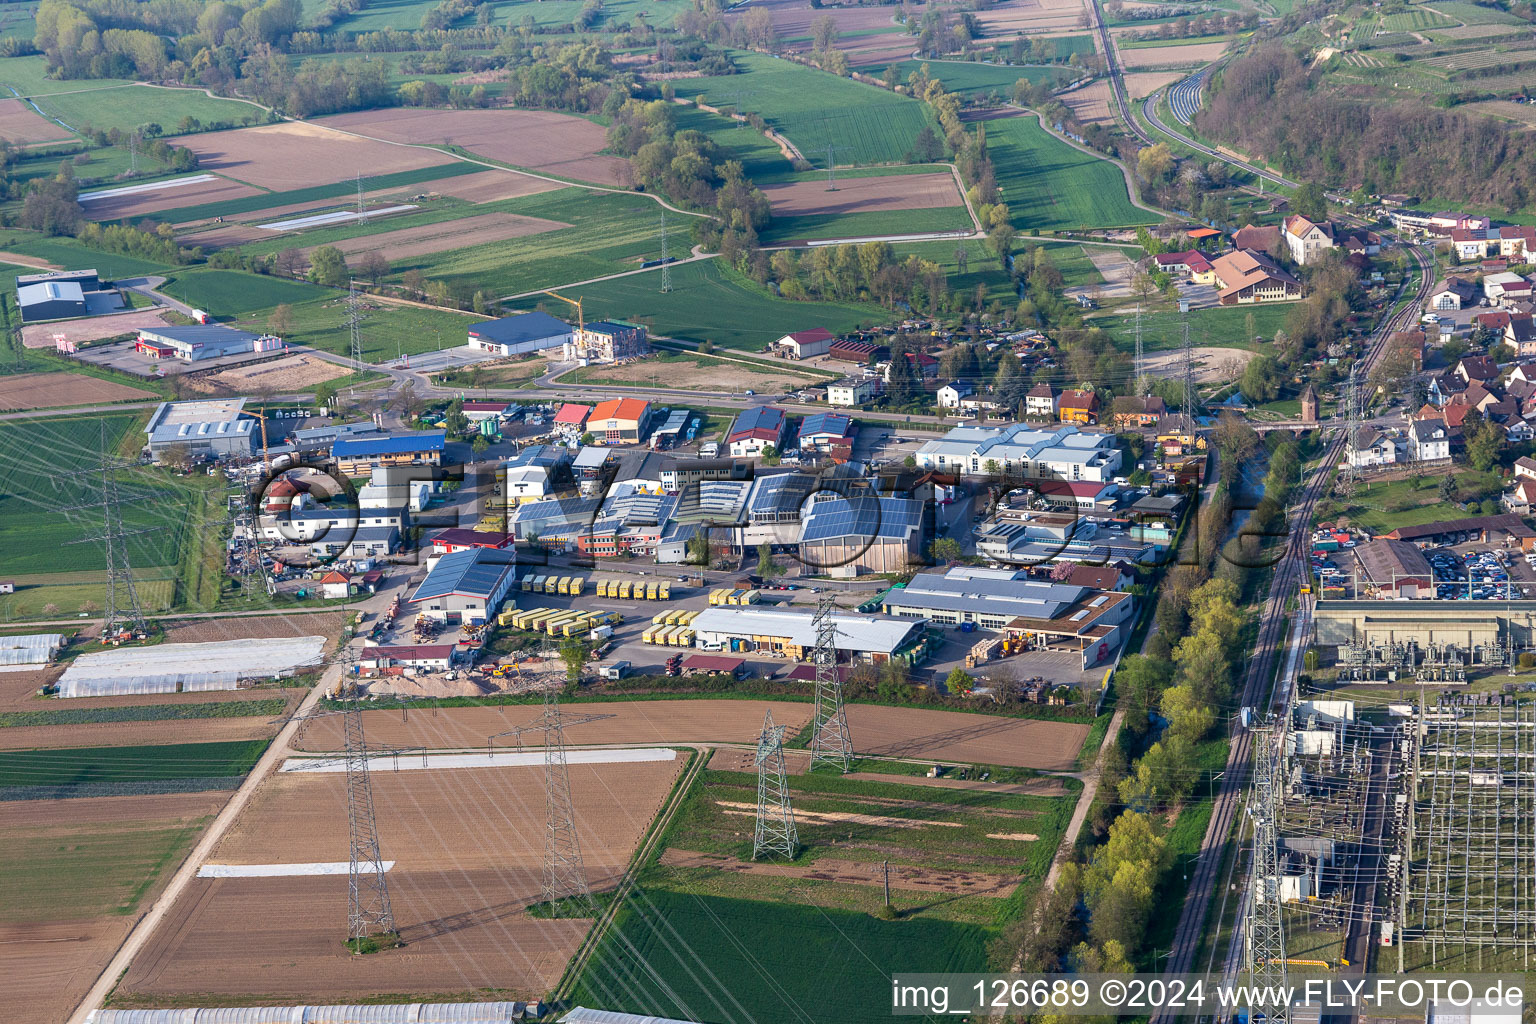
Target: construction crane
x=581, y=321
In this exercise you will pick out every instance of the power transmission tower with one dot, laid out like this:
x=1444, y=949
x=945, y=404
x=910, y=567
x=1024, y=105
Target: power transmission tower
x=830, y=740
x=1266, y=930
x=666, y=259
x=1141, y=377
x=1189, y=378
x=123, y=610
x=775, y=832
x=361, y=216
x=355, y=326
x=831, y=174
x=1351, y=403
x=368, y=911
x=961, y=258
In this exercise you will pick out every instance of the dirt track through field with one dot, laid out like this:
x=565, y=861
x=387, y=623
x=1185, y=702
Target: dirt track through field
x=560, y=144
x=467, y=861
x=20, y=124
x=50, y=390
x=864, y=195
x=965, y=737
x=849, y=872
x=640, y=721
x=425, y=239
x=296, y=155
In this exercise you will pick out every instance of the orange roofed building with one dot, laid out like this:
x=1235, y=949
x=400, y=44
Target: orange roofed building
x=620, y=421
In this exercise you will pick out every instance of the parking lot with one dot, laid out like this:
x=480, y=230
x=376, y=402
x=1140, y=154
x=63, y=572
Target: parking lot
x=1475, y=572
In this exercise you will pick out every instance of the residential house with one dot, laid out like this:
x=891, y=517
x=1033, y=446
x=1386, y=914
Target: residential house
x=1307, y=240
x=852, y=391
x=976, y=404
x=1078, y=405
x=1040, y=401
x=1429, y=440
x=1521, y=334
x=1178, y=435
x=1477, y=368
x=1370, y=447
x=805, y=344
x=754, y=430
x=1192, y=264
x=1452, y=293
x=620, y=421
x=1265, y=238
x=1133, y=411
x=824, y=431
x=1247, y=276
x=949, y=395
x=1517, y=242
x=1525, y=466
x=1474, y=243
x=1521, y=498
x=925, y=364
x=1496, y=320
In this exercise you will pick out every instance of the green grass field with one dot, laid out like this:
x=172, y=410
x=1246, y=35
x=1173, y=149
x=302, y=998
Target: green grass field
x=866, y=225
x=136, y=106
x=1147, y=44
x=388, y=330
x=759, y=157
x=974, y=79
x=79, y=872
x=226, y=293
x=815, y=110
x=1221, y=327
x=1050, y=186
x=697, y=957
x=66, y=252
x=28, y=76
x=712, y=302
x=75, y=766
x=46, y=464
x=1475, y=14
x=268, y=706
x=1381, y=505
x=658, y=13
x=1415, y=20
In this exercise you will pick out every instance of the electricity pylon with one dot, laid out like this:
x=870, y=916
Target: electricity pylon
x=775, y=831
x=368, y=909
x=666, y=258
x=123, y=609
x=1266, y=929
x=830, y=741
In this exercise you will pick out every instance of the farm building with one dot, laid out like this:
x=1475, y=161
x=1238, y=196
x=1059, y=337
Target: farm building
x=1248, y=276
x=792, y=634
x=432, y=657
x=466, y=586
x=805, y=344
x=846, y=537
x=355, y=456
x=213, y=428
x=851, y=351
x=620, y=421
x=517, y=335
x=50, y=300
x=188, y=668
x=606, y=341
x=194, y=344
x=1048, y=615
x=754, y=430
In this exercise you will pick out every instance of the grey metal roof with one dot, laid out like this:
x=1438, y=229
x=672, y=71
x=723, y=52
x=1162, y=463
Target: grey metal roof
x=874, y=633
x=49, y=291
x=201, y=334
x=987, y=592
x=515, y=330
x=474, y=572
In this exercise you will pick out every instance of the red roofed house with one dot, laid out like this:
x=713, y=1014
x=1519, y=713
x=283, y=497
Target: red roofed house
x=1477, y=368
x=1254, y=236
x=1078, y=406
x=805, y=344
x=620, y=421
x=456, y=539
x=335, y=585
x=1498, y=320
x=925, y=364
x=1201, y=234
x=1522, y=498
x=1191, y=264
x=1517, y=241
x=1246, y=276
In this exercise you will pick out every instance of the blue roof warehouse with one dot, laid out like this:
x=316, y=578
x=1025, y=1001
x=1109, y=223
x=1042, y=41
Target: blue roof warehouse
x=359, y=455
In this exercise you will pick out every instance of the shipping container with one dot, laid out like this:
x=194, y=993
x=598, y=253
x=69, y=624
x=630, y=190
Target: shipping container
x=552, y=585
x=650, y=591
x=505, y=617
x=577, y=583
x=649, y=636
x=624, y=590
x=664, y=592
x=602, y=588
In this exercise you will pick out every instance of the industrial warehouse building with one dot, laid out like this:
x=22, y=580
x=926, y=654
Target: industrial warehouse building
x=195, y=344
x=50, y=300
x=792, y=634
x=1048, y=615
x=207, y=429
x=1063, y=453
x=517, y=335
x=844, y=537
x=466, y=586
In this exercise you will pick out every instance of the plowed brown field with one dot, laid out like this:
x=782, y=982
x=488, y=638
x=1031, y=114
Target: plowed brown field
x=253, y=627
x=454, y=234
x=20, y=124
x=298, y=154
x=792, y=20
x=1189, y=55
x=117, y=734
x=138, y=204
x=467, y=851
x=50, y=954
x=958, y=735
x=490, y=186
x=50, y=390
x=640, y=721
x=291, y=373
x=541, y=140
x=864, y=195
x=1032, y=17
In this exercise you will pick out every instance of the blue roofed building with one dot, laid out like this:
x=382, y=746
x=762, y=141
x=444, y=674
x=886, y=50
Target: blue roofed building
x=864, y=533
x=521, y=334
x=356, y=456
x=826, y=430
x=466, y=586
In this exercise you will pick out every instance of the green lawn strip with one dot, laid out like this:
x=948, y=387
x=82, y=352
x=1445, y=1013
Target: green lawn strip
x=70, y=254
x=816, y=110
x=1147, y=44
x=267, y=706
x=1050, y=186
x=761, y=364
x=710, y=301
x=1218, y=327
x=760, y=158
x=132, y=107
x=1380, y=506
x=270, y=200
x=237, y=292
x=74, y=766
x=980, y=79
x=29, y=77
x=820, y=175
x=867, y=225
x=435, y=211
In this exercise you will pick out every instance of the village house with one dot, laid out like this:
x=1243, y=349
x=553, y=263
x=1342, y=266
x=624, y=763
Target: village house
x=1040, y=401
x=1078, y=405
x=852, y=391
x=1452, y=293
x=1246, y=277
x=1370, y=447
x=1428, y=441
x=949, y=395
x=1133, y=412
x=1307, y=240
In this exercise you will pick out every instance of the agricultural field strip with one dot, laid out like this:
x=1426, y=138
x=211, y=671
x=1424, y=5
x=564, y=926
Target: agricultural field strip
x=491, y=759
x=334, y=217
x=152, y=186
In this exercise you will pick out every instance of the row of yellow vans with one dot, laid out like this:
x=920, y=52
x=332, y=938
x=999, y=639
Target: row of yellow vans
x=732, y=595
x=571, y=585
x=558, y=622
x=628, y=590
